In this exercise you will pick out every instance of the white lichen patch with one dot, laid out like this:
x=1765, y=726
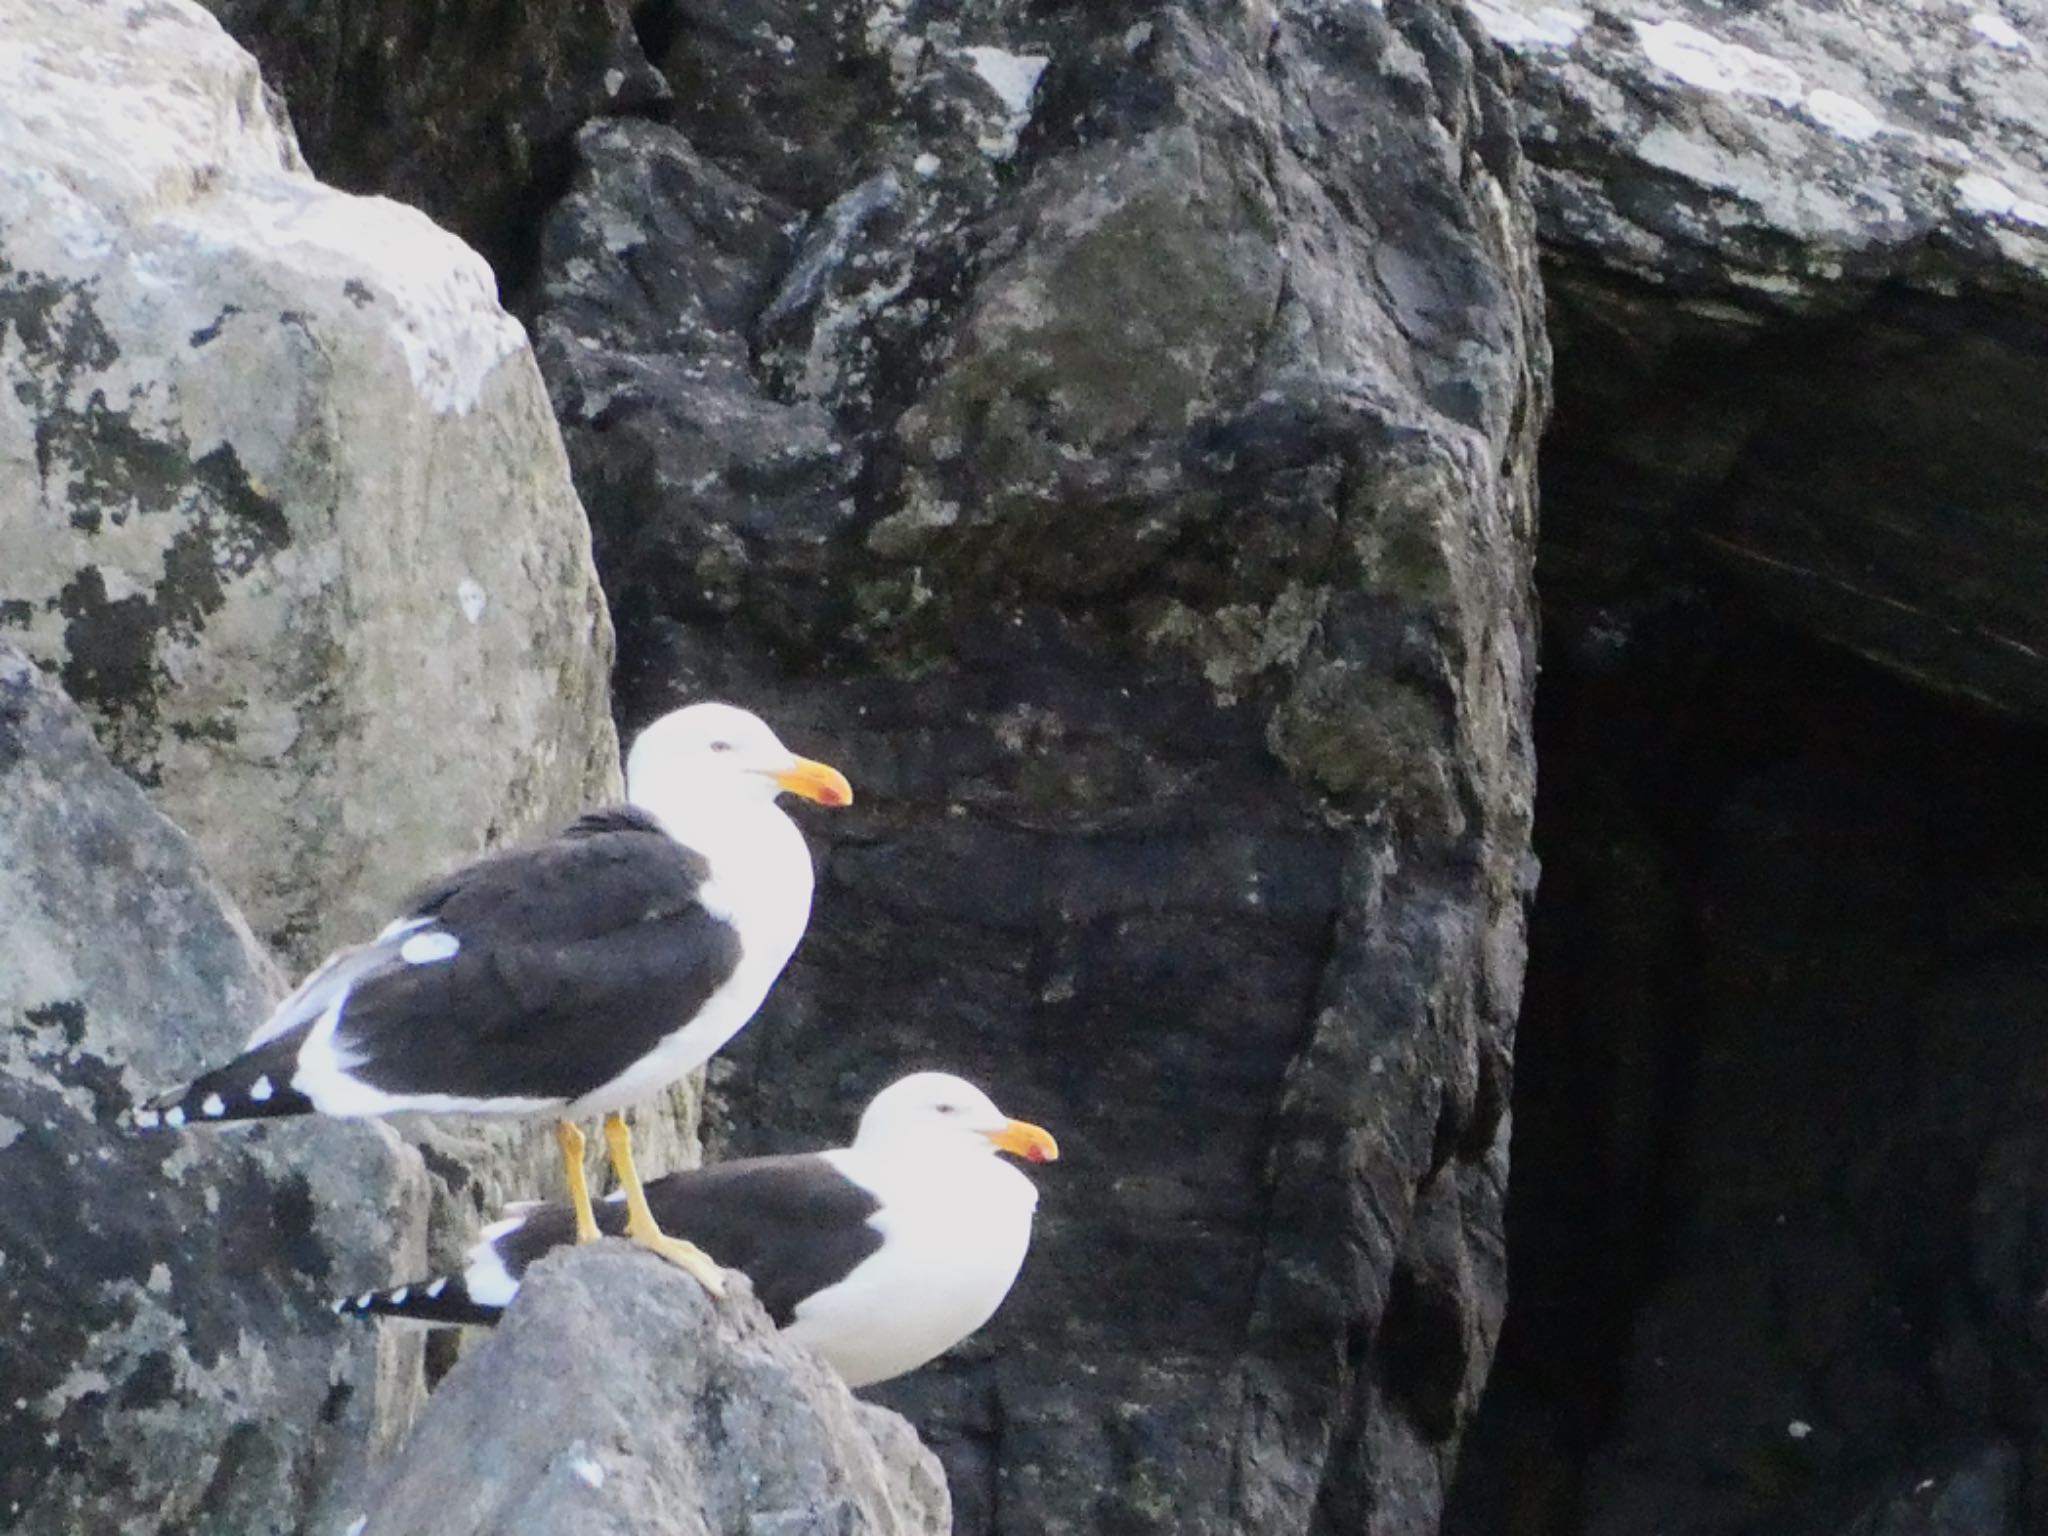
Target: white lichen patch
x=1842, y=114
x=1530, y=28
x=1708, y=63
x=436, y=297
x=1997, y=31
x=1988, y=196
x=469, y=593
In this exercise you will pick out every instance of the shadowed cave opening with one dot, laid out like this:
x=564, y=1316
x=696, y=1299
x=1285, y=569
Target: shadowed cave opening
x=1774, y=1228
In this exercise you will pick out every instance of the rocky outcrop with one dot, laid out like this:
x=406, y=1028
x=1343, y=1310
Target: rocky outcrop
x=618, y=1397
x=168, y=1361
x=1114, y=433
x=1776, y=1073
x=1798, y=260
x=463, y=109
x=283, y=506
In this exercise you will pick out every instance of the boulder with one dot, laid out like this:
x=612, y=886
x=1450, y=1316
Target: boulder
x=282, y=503
x=168, y=1361
x=617, y=1397
x=1798, y=261
x=1114, y=438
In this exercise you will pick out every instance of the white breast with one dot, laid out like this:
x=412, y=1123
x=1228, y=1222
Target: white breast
x=760, y=883
x=953, y=1240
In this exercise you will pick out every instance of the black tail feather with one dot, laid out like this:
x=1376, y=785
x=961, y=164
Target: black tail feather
x=445, y=1299
x=254, y=1086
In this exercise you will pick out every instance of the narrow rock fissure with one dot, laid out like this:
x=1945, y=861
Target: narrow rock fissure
x=1777, y=1092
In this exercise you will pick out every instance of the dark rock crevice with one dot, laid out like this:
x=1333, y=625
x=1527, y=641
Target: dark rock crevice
x=1777, y=1080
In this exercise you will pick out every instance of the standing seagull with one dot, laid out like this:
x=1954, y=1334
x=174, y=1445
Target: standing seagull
x=570, y=977
x=880, y=1256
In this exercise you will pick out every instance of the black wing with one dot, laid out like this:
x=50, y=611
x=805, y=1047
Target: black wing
x=794, y=1225
x=578, y=957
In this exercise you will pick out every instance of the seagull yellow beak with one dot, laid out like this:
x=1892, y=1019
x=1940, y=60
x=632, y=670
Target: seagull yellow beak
x=816, y=781
x=1031, y=1142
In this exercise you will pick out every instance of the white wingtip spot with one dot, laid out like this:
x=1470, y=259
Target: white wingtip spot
x=174, y=1117
x=213, y=1106
x=261, y=1090
x=428, y=948
x=434, y=1291
x=148, y=1119
x=397, y=1297
x=363, y=1301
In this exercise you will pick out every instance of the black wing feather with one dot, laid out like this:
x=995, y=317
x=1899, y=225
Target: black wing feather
x=578, y=957
x=794, y=1225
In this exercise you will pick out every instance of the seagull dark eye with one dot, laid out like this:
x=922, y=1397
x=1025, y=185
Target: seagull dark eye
x=721, y=746
x=949, y=1109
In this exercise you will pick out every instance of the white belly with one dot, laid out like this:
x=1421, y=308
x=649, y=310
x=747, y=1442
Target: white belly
x=947, y=1261
x=763, y=887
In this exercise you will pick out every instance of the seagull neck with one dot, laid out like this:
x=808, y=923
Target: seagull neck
x=706, y=819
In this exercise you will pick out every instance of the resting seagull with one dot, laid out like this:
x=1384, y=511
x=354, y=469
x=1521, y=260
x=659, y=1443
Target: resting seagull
x=569, y=977
x=880, y=1256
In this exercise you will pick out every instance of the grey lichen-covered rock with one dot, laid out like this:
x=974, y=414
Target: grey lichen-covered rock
x=618, y=1398
x=1799, y=276
x=1117, y=430
x=167, y=1361
x=282, y=501
x=1802, y=154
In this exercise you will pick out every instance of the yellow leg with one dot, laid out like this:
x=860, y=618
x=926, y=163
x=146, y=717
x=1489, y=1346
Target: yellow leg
x=579, y=1189
x=640, y=1223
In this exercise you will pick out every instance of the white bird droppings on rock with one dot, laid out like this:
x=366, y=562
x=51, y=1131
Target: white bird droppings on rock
x=926, y=164
x=1700, y=59
x=470, y=594
x=587, y=1469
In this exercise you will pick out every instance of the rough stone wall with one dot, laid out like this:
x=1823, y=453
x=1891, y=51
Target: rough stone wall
x=1798, y=265
x=1110, y=436
x=282, y=505
x=617, y=1399
x=169, y=1362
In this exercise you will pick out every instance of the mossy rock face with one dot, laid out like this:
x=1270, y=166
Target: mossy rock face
x=1122, y=463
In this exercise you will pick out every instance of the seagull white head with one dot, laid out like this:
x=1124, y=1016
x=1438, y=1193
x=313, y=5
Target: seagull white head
x=719, y=752
x=940, y=1114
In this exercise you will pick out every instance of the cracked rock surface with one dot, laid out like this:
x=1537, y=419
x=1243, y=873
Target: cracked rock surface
x=169, y=1357
x=618, y=1399
x=1798, y=265
x=1109, y=435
